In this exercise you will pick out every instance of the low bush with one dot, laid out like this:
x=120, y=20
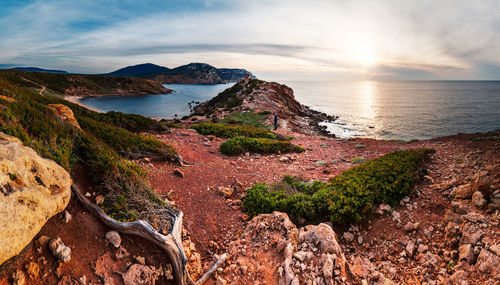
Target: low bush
x=247, y=118
x=345, y=198
x=231, y=131
x=239, y=145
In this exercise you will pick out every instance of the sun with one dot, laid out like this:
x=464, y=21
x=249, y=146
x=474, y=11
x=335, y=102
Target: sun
x=365, y=56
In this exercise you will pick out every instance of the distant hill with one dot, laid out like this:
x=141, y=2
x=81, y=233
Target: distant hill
x=36, y=69
x=193, y=73
x=82, y=84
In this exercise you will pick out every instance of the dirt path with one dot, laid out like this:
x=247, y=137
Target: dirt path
x=40, y=90
x=209, y=215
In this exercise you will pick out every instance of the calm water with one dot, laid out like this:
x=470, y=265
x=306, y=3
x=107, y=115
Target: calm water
x=376, y=109
x=158, y=106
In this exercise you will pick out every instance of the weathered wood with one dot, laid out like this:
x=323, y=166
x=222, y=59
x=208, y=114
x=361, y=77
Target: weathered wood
x=209, y=273
x=171, y=243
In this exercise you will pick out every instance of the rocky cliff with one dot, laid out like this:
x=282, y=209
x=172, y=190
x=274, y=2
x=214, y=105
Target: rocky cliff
x=33, y=189
x=258, y=96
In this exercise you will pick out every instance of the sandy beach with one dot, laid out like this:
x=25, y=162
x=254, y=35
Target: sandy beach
x=76, y=100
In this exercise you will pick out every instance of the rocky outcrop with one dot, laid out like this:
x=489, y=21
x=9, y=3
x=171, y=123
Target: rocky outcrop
x=266, y=98
x=32, y=189
x=65, y=114
x=273, y=251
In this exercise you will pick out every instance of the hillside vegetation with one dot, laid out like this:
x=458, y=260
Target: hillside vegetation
x=345, y=198
x=82, y=85
x=104, y=145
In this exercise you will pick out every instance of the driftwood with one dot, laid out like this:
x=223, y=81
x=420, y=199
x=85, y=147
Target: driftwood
x=209, y=273
x=171, y=243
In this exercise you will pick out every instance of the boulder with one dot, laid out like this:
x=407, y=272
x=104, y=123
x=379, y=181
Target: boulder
x=482, y=182
x=466, y=252
x=114, y=238
x=488, y=262
x=32, y=189
x=65, y=114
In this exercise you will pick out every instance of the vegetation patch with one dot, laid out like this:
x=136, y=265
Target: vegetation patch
x=102, y=145
x=231, y=131
x=345, y=198
x=247, y=118
x=239, y=145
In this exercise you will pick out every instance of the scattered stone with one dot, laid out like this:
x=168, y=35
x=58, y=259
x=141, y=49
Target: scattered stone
x=478, y=199
x=412, y=226
x=300, y=255
x=466, y=252
x=396, y=216
x=59, y=250
x=429, y=259
x=67, y=217
x=18, y=278
x=422, y=248
x=410, y=248
x=482, y=183
x=383, y=208
x=43, y=241
x=349, y=237
x=220, y=281
x=225, y=191
x=114, y=238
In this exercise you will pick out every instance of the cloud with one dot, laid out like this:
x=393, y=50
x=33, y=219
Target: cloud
x=431, y=39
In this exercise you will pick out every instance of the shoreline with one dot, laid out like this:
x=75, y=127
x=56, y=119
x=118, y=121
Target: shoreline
x=76, y=100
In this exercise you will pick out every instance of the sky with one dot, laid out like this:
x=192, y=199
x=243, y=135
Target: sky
x=274, y=39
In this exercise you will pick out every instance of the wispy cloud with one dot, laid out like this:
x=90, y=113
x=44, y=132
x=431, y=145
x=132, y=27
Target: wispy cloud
x=330, y=39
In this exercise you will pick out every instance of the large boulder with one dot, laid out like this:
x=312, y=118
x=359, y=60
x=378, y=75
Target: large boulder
x=64, y=113
x=32, y=189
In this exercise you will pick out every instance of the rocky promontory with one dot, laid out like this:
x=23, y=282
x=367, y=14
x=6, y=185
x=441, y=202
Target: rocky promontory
x=252, y=95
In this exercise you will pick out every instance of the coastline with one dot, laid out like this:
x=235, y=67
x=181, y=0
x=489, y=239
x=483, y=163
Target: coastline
x=76, y=100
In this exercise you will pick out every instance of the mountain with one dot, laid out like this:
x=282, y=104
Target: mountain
x=36, y=69
x=140, y=70
x=193, y=73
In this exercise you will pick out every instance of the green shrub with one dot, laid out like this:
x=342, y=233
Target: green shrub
x=345, y=198
x=239, y=145
x=102, y=146
x=231, y=131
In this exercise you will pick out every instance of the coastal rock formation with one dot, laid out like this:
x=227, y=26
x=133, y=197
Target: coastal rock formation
x=64, y=113
x=33, y=189
x=253, y=95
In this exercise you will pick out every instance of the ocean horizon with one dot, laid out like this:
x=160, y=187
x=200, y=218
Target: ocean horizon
x=381, y=109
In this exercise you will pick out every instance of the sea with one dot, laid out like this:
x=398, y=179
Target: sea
x=399, y=110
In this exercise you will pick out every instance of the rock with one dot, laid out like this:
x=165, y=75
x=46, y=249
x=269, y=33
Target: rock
x=410, y=248
x=463, y=191
x=478, y=199
x=43, y=240
x=471, y=232
x=65, y=114
x=495, y=248
x=140, y=274
x=412, y=226
x=300, y=255
x=67, y=217
x=18, y=278
x=362, y=268
x=59, y=250
x=32, y=189
x=482, y=183
x=8, y=99
x=396, y=216
x=383, y=208
x=114, y=238
x=99, y=199
x=488, y=262
x=141, y=260
x=429, y=259
x=32, y=269
x=179, y=173
x=460, y=277
x=328, y=270
x=466, y=252
x=225, y=191
x=349, y=237
x=422, y=248
x=220, y=281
